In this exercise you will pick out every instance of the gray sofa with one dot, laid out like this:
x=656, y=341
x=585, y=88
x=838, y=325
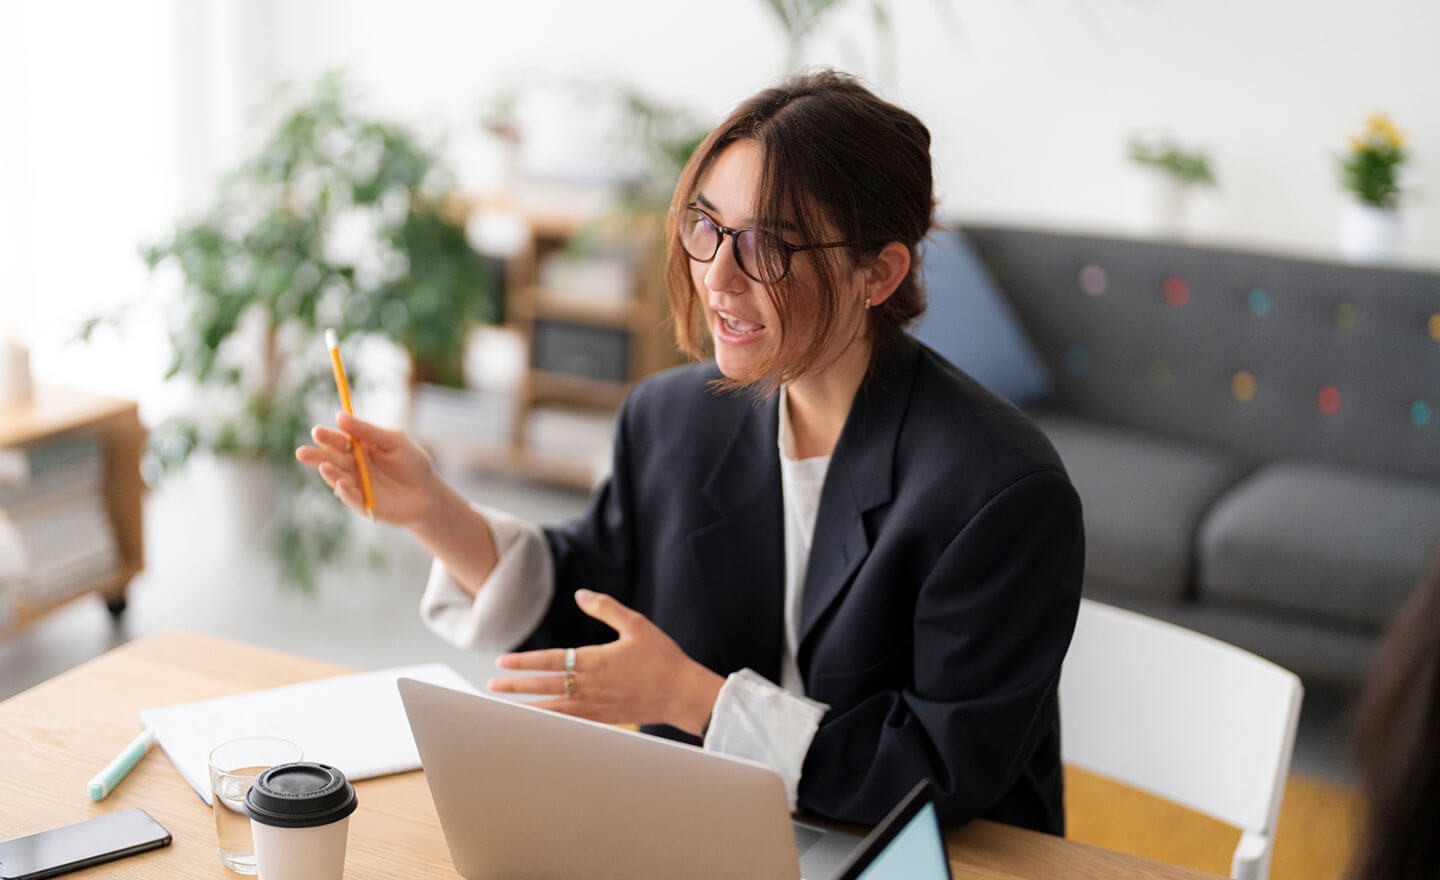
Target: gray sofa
x=1255, y=438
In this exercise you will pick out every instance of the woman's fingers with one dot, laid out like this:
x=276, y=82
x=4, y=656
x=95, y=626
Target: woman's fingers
x=641, y=677
x=535, y=685
x=611, y=611
x=368, y=432
x=330, y=438
x=331, y=447
x=547, y=660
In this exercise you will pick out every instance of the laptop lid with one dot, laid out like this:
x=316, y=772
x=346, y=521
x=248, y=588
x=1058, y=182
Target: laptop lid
x=522, y=792
x=908, y=845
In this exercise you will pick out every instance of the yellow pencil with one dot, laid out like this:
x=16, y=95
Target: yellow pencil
x=332, y=342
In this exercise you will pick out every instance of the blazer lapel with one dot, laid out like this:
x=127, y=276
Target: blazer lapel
x=860, y=479
x=739, y=556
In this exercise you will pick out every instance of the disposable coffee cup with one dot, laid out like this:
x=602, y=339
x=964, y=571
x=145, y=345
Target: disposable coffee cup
x=300, y=821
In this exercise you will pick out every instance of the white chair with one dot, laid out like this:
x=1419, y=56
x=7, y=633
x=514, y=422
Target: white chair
x=1182, y=716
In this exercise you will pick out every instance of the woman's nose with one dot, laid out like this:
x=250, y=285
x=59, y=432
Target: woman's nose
x=724, y=271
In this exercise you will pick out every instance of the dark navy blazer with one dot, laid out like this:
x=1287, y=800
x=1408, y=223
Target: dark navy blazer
x=942, y=589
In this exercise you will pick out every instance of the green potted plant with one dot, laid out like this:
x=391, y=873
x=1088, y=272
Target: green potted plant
x=1370, y=173
x=803, y=20
x=340, y=221
x=1180, y=170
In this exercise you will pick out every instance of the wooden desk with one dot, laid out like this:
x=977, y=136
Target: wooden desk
x=55, y=736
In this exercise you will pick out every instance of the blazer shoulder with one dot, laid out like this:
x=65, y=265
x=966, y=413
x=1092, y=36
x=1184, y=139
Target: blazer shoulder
x=684, y=400
x=958, y=419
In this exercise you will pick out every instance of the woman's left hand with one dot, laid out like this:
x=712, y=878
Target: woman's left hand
x=642, y=677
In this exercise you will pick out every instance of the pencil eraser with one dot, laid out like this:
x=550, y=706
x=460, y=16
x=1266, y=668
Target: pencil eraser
x=97, y=791
x=332, y=339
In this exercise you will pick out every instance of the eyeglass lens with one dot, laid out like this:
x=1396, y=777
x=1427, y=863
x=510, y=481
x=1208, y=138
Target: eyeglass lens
x=701, y=238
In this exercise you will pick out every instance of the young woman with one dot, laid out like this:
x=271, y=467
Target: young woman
x=1397, y=745
x=823, y=547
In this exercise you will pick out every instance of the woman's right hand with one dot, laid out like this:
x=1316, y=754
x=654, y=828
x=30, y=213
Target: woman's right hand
x=402, y=478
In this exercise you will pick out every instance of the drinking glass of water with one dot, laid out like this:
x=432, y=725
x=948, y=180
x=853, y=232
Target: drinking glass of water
x=234, y=764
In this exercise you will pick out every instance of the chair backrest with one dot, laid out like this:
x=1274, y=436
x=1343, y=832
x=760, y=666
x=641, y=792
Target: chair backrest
x=1183, y=716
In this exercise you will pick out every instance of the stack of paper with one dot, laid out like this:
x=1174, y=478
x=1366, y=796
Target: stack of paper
x=442, y=416
x=55, y=533
x=353, y=722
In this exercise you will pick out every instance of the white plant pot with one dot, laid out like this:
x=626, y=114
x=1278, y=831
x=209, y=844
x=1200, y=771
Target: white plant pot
x=247, y=494
x=1369, y=234
x=1170, y=206
x=14, y=373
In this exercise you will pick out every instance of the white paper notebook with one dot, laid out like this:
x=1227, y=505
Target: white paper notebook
x=353, y=722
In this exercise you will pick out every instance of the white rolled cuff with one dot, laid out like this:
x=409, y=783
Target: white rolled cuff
x=757, y=719
x=509, y=604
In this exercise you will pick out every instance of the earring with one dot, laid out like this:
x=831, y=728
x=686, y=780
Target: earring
x=868, y=303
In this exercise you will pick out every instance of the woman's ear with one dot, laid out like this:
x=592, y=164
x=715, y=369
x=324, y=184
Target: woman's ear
x=885, y=272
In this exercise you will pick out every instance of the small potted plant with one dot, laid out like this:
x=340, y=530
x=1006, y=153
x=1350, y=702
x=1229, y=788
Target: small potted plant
x=340, y=221
x=1370, y=173
x=1180, y=171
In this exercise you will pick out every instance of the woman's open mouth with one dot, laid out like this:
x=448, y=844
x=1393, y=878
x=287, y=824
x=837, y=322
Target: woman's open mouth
x=735, y=328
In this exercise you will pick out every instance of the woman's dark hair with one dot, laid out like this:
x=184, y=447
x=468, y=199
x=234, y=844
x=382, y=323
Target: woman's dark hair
x=1397, y=742
x=833, y=154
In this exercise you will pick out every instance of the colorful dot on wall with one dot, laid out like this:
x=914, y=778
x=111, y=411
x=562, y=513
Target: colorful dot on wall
x=1421, y=413
x=1077, y=360
x=1157, y=372
x=1346, y=315
x=1177, y=292
x=1243, y=386
x=1260, y=303
x=1329, y=400
x=1435, y=326
x=1093, y=279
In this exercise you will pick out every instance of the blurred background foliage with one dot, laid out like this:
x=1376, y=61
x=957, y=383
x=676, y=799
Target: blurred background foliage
x=341, y=220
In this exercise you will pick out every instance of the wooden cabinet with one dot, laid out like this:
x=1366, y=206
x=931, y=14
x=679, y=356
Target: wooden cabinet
x=591, y=305
x=53, y=413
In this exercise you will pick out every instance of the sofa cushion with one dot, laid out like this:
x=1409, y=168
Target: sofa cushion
x=971, y=323
x=1320, y=540
x=1144, y=498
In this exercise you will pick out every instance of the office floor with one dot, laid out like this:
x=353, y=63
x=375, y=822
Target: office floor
x=203, y=572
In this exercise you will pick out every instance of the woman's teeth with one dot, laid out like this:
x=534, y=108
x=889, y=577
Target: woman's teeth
x=738, y=326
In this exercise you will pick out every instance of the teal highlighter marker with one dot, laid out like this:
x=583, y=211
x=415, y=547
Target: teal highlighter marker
x=106, y=780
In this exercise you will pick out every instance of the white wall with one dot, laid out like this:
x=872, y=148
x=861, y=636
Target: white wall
x=1031, y=102
x=89, y=144
x=116, y=116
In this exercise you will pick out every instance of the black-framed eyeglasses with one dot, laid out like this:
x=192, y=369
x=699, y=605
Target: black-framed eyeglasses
x=762, y=256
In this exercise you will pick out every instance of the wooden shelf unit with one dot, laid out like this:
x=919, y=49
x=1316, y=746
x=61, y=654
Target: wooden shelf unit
x=55, y=412
x=584, y=350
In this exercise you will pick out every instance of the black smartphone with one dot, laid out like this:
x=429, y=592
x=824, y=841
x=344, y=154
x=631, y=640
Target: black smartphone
x=72, y=847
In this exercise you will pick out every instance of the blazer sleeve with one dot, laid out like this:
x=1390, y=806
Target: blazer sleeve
x=979, y=717
x=594, y=551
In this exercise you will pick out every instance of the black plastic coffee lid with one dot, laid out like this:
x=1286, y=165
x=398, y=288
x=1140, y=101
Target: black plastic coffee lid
x=300, y=795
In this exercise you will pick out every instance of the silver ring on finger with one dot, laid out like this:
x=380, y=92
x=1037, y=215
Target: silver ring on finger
x=569, y=659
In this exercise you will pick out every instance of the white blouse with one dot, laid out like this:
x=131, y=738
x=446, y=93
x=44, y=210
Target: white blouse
x=753, y=717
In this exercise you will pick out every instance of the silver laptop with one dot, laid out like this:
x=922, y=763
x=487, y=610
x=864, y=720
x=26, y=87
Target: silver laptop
x=522, y=792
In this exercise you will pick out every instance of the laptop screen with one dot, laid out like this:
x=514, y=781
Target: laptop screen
x=908, y=845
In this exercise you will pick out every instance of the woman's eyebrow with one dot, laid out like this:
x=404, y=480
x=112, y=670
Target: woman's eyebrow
x=784, y=225
x=706, y=203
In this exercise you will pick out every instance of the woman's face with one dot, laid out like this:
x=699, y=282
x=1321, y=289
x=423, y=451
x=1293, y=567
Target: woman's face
x=743, y=322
